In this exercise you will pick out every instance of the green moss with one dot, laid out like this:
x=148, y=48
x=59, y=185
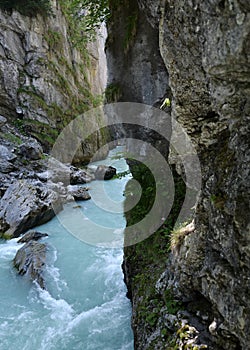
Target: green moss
x=218, y=201
x=131, y=30
x=54, y=40
x=13, y=138
x=113, y=93
x=7, y=235
x=147, y=259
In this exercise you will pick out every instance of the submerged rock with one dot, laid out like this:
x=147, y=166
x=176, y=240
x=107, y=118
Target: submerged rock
x=32, y=236
x=30, y=261
x=26, y=204
x=104, y=172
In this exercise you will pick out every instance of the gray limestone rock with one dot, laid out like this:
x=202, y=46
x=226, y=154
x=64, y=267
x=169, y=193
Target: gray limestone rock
x=6, y=155
x=31, y=150
x=32, y=236
x=6, y=167
x=30, y=260
x=3, y=121
x=79, y=176
x=25, y=204
x=79, y=193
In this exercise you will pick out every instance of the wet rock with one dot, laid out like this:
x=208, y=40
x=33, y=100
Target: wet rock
x=104, y=172
x=31, y=150
x=79, y=193
x=32, y=236
x=30, y=260
x=25, y=204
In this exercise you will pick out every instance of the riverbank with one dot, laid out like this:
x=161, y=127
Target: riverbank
x=31, y=194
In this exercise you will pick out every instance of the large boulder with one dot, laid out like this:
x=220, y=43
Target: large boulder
x=79, y=176
x=26, y=204
x=31, y=150
x=104, y=172
x=79, y=193
x=30, y=261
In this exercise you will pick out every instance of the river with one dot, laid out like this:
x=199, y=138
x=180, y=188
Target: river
x=84, y=306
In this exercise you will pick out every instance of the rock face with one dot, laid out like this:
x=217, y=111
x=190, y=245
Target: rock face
x=45, y=81
x=211, y=55
x=205, y=47
x=3, y=121
x=135, y=56
x=30, y=260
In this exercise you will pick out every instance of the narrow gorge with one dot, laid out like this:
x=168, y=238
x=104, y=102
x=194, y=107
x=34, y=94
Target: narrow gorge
x=176, y=77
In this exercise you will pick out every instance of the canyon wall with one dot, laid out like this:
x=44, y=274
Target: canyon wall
x=45, y=80
x=205, y=49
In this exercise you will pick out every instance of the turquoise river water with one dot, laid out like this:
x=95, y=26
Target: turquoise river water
x=85, y=305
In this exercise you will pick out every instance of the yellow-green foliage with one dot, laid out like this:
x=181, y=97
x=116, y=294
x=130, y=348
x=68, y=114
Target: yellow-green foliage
x=179, y=233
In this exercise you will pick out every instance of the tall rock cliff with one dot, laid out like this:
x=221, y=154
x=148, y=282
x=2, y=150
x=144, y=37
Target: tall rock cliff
x=45, y=81
x=205, y=49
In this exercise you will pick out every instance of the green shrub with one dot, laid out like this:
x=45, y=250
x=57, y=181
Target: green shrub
x=27, y=7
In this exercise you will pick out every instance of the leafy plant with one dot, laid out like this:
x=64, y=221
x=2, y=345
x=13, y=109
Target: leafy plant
x=112, y=93
x=85, y=17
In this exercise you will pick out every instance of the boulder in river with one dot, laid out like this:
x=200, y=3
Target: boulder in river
x=79, y=193
x=26, y=204
x=104, y=172
x=30, y=261
x=32, y=236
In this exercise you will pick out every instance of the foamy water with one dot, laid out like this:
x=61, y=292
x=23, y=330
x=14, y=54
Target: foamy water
x=85, y=305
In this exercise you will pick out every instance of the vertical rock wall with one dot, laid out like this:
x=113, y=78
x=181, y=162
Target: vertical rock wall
x=135, y=65
x=205, y=48
x=45, y=82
